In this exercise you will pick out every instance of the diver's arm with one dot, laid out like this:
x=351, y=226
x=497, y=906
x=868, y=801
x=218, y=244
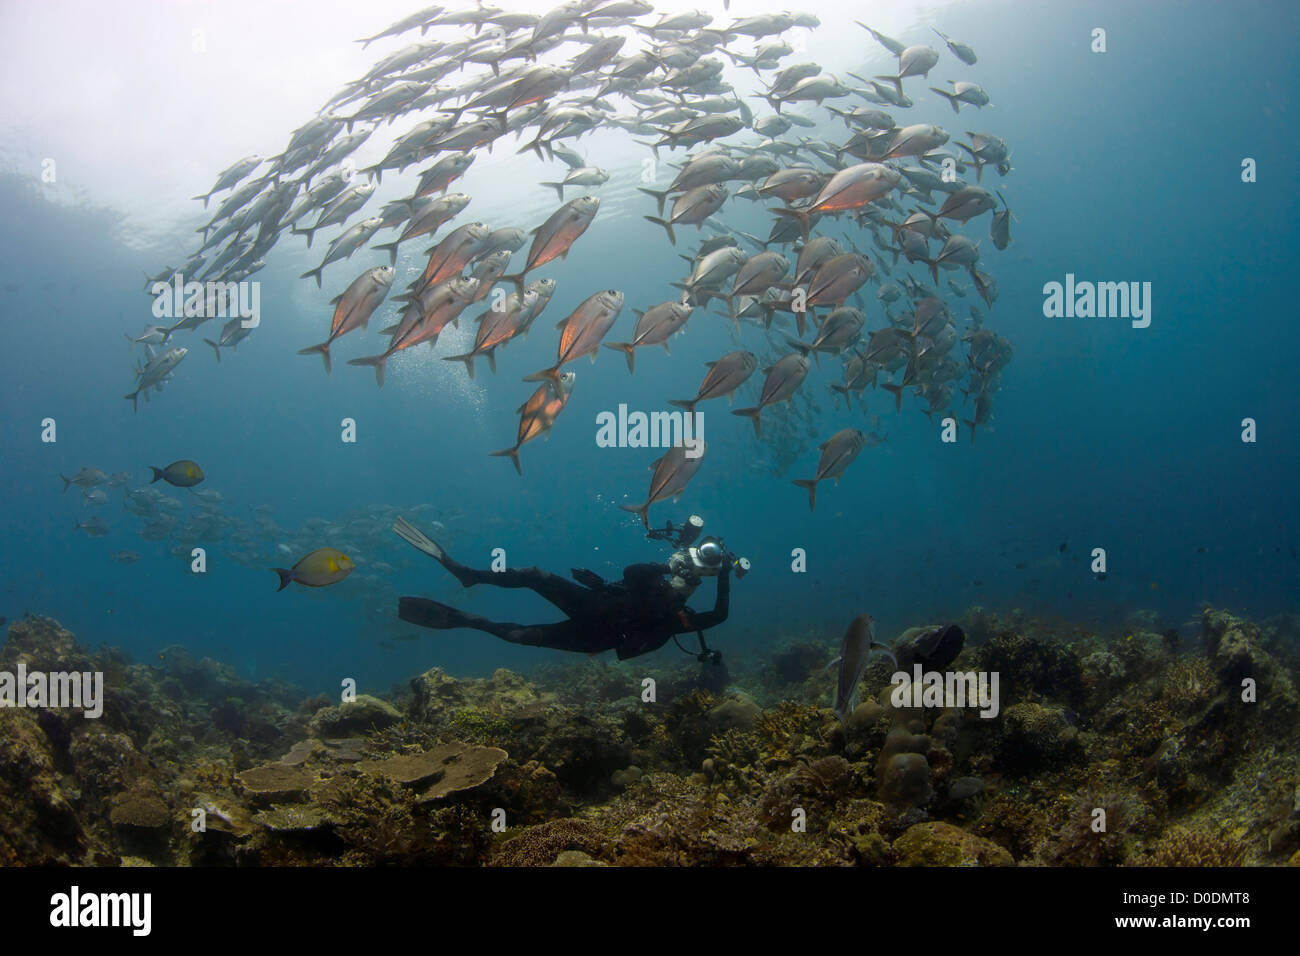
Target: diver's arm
x=721, y=606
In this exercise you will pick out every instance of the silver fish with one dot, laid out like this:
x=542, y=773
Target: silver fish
x=859, y=641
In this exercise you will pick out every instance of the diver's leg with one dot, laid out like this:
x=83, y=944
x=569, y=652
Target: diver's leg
x=570, y=597
x=562, y=636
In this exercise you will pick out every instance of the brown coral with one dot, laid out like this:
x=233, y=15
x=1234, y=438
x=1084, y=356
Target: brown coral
x=540, y=845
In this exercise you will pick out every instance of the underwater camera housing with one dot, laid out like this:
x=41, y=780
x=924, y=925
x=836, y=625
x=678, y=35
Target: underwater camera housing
x=691, y=561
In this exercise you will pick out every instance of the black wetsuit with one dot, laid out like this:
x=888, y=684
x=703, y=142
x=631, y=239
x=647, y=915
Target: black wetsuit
x=634, y=616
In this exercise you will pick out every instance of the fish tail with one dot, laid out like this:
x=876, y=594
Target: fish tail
x=375, y=360
x=642, y=510
x=686, y=403
x=323, y=349
x=971, y=426
x=811, y=485
x=285, y=577
x=516, y=279
x=804, y=219
x=551, y=374
x=895, y=78
x=513, y=453
x=755, y=413
x=392, y=251
x=492, y=361
x=467, y=358
x=629, y=350
x=313, y=272
x=66, y=482
x=215, y=348
x=558, y=187
x=668, y=228
x=658, y=196
x=898, y=395
x=157, y=473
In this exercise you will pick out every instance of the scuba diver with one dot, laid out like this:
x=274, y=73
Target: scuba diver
x=631, y=617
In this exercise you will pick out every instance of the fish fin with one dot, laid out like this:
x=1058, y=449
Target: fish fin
x=323, y=349
x=667, y=227
x=467, y=358
x=514, y=456
x=686, y=403
x=313, y=272
x=642, y=510
x=628, y=349
x=659, y=196
x=898, y=394
x=546, y=375
x=811, y=485
x=286, y=576
x=375, y=360
x=755, y=413
x=157, y=473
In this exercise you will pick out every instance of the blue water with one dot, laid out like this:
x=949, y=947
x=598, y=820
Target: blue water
x=1126, y=168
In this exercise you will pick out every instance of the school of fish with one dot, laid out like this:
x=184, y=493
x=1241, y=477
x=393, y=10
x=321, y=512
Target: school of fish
x=860, y=198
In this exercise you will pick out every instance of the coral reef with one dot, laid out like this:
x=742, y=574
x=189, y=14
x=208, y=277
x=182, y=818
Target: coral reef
x=1140, y=747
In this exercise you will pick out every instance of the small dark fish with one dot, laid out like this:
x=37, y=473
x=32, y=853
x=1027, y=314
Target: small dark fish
x=934, y=650
x=1063, y=547
x=182, y=474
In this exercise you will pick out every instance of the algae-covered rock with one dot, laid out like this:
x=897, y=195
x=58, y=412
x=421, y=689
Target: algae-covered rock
x=275, y=781
x=734, y=713
x=905, y=780
x=541, y=845
x=345, y=749
x=292, y=819
x=865, y=716
x=1036, y=737
x=441, y=770
x=301, y=752
x=433, y=693
x=576, y=858
x=365, y=713
x=142, y=810
x=942, y=844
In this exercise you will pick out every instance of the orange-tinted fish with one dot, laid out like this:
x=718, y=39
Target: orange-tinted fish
x=582, y=332
x=553, y=238
x=354, y=307
x=538, y=414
